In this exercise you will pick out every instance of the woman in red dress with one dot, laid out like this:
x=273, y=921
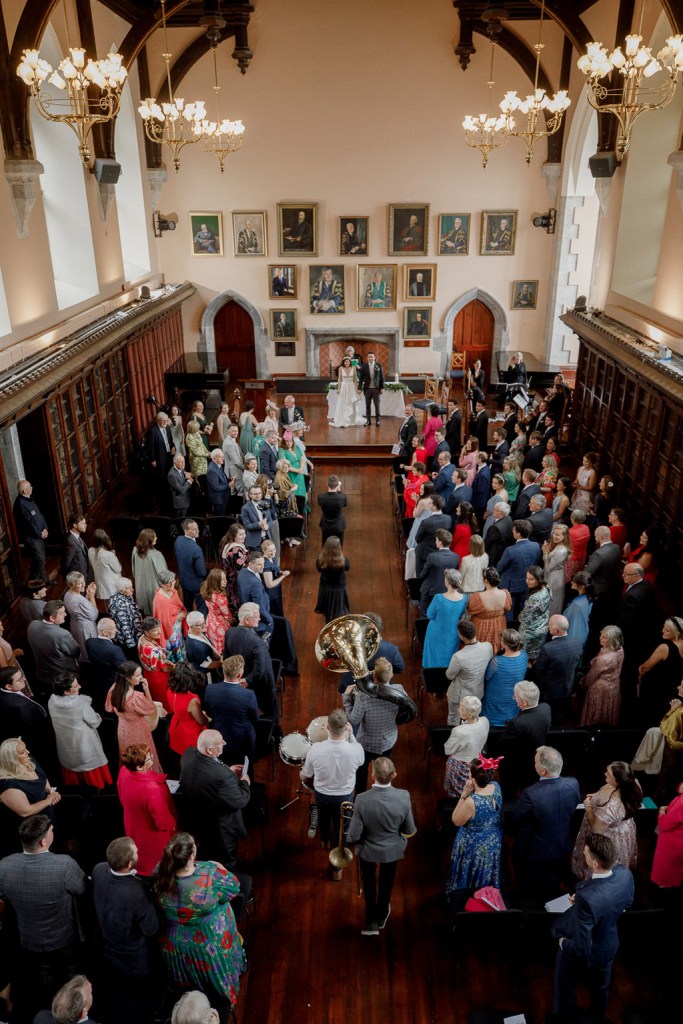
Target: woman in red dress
x=579, y=535
x=155, y=664
x=466, y=525
x=418, y=453
x=645, y=554
x=411, y=492
x=617, y=527
x=188, y=718
x=218, y=620
x=149, y=816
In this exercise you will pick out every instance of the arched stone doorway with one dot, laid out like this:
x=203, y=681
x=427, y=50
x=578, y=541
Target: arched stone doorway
x=480, y=313
x=207, y=342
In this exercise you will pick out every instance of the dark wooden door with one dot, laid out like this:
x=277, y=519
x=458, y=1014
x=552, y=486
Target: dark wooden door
x=473, y=334
x=234, y=334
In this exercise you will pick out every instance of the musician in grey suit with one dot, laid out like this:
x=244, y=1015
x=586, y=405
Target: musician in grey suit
x=381, y=826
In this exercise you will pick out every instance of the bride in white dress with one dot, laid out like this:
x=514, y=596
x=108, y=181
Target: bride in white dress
x=347, y=390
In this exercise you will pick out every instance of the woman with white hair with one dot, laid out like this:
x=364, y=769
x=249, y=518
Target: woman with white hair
x=127, y=617
x=81, y=604
x=465, y=742
x=250, y=472
x=201, y=653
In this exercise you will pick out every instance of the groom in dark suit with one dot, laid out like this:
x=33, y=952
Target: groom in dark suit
x=372, y=385
x=588, y=933
x=381, y=826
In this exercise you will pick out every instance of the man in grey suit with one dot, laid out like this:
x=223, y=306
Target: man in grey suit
x=41, y=887
x=234, y=459
x=180, y=485
x=54, y=648
x=381, y=826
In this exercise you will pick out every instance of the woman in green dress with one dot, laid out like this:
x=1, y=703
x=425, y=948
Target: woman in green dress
x=148, y=562
x=291, y=453
x=200, y=945
x=533, y=621
x=205, y=427
x=247, y=424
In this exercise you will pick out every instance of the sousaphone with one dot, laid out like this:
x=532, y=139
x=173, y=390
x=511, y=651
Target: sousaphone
x=346, y=645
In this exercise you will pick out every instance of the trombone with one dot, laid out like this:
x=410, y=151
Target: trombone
x=341, y=856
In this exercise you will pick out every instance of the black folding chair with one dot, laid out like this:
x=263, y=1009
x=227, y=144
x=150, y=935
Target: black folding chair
x=218, y=527
x=165, y=529
x=434, y=743
x=432, y=680
x=124, y=530
x=292, y=527
x=499, y=933
x=265, y=743
x=419, y=633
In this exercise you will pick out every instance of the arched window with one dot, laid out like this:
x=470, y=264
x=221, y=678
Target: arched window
x=130, y=203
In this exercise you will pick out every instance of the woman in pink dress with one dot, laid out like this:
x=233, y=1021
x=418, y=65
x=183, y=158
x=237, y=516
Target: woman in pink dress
x=468, y=459
x=667, y=865
x=218, y=621
x=602, y=705
x=137, y=714
x=433, y=424
x=155, y=665
x=169, y=610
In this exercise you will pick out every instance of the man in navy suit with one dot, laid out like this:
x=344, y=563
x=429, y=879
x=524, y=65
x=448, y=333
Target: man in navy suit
x=441, y=443
x=555, y=668
x=540, y=519
x=542, y=821
x=514, y=563
x=501, y=450
x=521, y=737
x=258, y=667
x=191, y=566
x=426, y=535
x=529, y=488
x=233, y=711
x=217, y=483
x=462, y=492
x=481, y=486
x=444, y=479
x=588, y=933
x=435, y=566
x=498, y=536
x=268, y=455
x=105, y=656
x=250, y=587
x=534, y=456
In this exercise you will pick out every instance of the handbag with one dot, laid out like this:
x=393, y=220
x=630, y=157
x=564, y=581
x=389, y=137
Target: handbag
x=486, y=900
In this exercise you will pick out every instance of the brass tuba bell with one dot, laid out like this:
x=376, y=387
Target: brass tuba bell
x=346, y=645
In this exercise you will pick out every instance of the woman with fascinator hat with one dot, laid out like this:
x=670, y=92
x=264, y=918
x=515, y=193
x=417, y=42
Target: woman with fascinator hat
x=475, y=860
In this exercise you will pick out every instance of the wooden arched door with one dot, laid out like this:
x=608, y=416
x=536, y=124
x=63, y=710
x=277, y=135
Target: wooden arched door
x=473, y=332
x=234, y=335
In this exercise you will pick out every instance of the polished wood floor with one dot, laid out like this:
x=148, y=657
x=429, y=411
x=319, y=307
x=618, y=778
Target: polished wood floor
x=308, y=959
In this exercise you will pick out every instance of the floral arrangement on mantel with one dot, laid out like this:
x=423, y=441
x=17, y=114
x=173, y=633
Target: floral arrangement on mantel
x=389, y=385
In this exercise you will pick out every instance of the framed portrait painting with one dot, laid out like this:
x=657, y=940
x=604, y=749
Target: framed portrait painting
x=353, y=236
x=207, y=233
x=297, y=228
x=283, y=323
x=417, y=324
x=419, y=281
x=498, y=231
x=326, y=286
x=282, y=281
x=376, y=286
x=454, y=234
x=249, y=233
x=524, y=294
x=408, y=229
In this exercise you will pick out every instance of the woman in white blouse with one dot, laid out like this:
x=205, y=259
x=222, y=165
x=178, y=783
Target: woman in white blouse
x=105, y=565
x=465, y=742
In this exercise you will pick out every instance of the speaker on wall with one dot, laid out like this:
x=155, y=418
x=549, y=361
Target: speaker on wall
x=603, y=165
x=107, y=172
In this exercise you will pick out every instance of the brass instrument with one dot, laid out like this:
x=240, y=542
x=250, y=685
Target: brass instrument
x=345, y=645
x=341, y=856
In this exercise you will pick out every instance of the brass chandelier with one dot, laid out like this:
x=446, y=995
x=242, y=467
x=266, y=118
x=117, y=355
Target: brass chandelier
x=482, y=131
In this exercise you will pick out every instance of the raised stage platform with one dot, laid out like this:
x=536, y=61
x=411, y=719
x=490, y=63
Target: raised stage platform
x=325, y=443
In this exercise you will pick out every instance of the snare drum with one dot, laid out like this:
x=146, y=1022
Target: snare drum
x=293, y=748
x=317, y=729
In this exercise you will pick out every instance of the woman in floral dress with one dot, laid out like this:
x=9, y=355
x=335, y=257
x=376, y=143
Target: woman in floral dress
x=214, y=592
x=475, y=860
x=200, y=945
x=233, y=558
x=155, y=665
x=533, y=621
x=602, y=705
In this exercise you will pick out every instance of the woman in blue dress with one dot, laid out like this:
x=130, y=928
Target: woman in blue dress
x=475, y=860
x=578, y=611
x=503, y=672
x=441, y=640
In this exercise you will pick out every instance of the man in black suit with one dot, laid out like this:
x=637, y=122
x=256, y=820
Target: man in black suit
x=258, y=667
x=454, y=428
x=534, y=456
x=498, y=537
x=372, y=385
x=529, y=488
x=406, y=433
x=434, y=567
x=21, y=715
x=541, y=519
x=500, y=451
x=604, y=567
x=291, y=413
x=426, y=535
x=480, y=426
x=555, y=668
x=160, y=452
x=521, y=736
x=510, y=410
x=215, y=795
x=75, y=550
x=549, y=430
x=332, y=505
x=588, y=933
x=640, y=621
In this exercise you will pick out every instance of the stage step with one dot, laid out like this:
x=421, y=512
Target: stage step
x=371, y=454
